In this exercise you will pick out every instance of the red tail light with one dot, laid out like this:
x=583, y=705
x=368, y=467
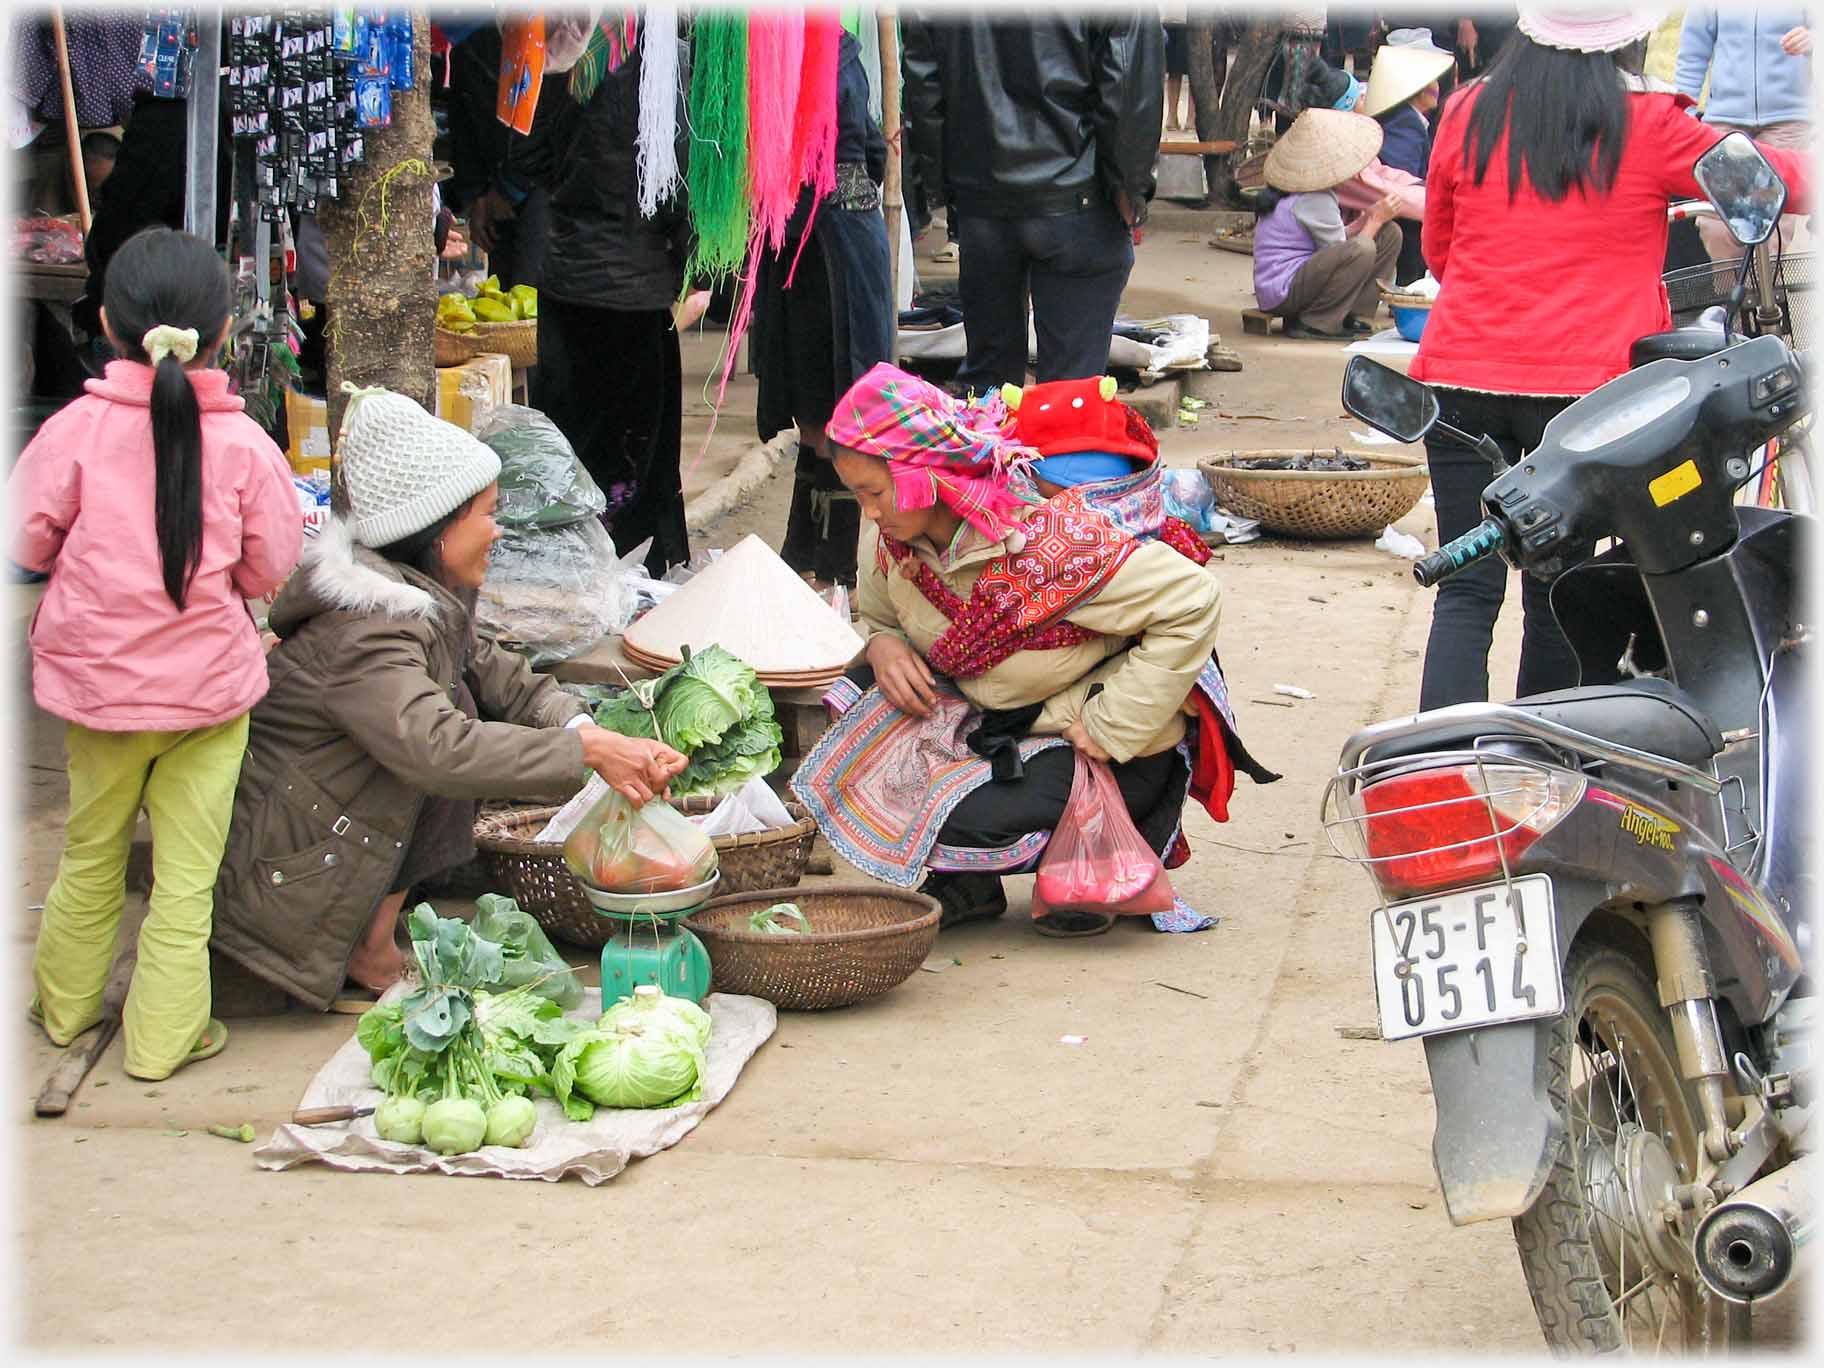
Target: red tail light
x=1447, y=827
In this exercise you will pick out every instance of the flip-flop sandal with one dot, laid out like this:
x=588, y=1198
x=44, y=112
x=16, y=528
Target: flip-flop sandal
x=1073, y=924
x=353, y=1000
x=209, y=1044
x=35, y=1013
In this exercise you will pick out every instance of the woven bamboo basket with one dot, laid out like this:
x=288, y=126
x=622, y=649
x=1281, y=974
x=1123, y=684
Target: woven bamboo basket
x=865, y=939
x=518, y=341
x=1316, y=503
x=453, y=348
x=1398, y=300
x=534, y=875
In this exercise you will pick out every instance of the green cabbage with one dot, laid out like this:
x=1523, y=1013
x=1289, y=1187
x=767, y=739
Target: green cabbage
x=655, y=1012
x=627, y=1068
x=708, y=695
x=750, y=750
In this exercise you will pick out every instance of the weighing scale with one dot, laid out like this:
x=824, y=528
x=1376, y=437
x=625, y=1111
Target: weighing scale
x=651, y=944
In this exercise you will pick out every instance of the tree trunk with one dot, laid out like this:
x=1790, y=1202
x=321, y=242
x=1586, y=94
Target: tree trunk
x=382, y=301
x=1253, y=55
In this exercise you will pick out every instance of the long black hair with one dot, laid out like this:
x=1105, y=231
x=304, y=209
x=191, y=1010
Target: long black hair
x=1565, y=115
x=163, y=278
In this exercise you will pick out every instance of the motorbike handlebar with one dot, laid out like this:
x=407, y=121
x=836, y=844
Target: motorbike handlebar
x=1480, y=542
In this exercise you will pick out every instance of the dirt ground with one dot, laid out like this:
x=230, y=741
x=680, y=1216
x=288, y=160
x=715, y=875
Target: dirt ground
x=1222, y=1167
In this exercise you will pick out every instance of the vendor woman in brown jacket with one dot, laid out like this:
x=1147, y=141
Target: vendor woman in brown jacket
x=387, y=717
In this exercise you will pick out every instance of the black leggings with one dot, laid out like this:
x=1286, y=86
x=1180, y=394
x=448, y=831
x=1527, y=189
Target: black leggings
x=996, y=815
x=1463, y=618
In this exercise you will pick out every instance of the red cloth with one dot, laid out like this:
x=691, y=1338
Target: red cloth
x=1542, y=298
x=1063, y=416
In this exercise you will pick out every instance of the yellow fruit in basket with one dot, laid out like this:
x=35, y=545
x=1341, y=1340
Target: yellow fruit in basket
x=493, y=311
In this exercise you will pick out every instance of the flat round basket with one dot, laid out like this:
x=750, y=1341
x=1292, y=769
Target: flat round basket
x=534, y=875
x=1404, y=301
x=517, y=341
x=864, y=939
x=1317, y=503
x=452, y=348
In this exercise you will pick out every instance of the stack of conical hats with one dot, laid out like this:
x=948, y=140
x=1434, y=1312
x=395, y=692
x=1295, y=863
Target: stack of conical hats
x=756, y=607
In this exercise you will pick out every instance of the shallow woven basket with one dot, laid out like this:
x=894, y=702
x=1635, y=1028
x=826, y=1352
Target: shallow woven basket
x=534, y=875
x=517, y=341
x=866, y=938
x=453, y=348
x=1316, y=503
x=1405, y=301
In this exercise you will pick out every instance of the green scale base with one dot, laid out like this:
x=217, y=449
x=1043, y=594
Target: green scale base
x=652, y=950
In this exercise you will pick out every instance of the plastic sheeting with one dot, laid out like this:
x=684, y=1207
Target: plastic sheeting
x=553, y=592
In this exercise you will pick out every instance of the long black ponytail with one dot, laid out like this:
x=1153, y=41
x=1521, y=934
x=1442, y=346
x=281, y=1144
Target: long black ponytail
x=163, y=278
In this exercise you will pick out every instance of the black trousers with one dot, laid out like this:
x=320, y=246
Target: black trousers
x=1073, y=266
x=1463, y=618
x=1411, y=263
x=613, y=382
x=996, y=815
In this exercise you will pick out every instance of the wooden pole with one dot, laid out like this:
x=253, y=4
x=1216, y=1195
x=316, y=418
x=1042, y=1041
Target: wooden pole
x=891, y=197
x=72, y=134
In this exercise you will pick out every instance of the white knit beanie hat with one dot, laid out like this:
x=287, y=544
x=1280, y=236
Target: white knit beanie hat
x=405, y=469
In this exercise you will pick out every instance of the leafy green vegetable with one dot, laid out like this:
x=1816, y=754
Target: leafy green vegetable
x=528, y=958
x=653, y=1011
x=710, y=693
x=769, y=920
x=750, y=750
x=627, y=1068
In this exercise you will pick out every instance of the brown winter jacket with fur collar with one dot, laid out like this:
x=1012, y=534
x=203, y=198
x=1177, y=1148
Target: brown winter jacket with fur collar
x=359, y=725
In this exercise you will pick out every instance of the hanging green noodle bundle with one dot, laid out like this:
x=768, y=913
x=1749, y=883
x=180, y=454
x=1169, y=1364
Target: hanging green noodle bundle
x=717, y=175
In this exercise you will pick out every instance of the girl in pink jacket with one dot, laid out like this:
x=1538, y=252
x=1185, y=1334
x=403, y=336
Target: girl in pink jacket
x=157, y=508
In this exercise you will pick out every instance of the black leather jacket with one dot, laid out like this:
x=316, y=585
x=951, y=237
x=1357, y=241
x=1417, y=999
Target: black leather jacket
x=1038, y=115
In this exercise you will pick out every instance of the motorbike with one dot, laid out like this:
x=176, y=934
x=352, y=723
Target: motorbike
x=1591, y=904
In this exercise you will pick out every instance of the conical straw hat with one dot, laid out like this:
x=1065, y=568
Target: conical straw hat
x=1400, y=73
x=1324, y=147
x=755, y=606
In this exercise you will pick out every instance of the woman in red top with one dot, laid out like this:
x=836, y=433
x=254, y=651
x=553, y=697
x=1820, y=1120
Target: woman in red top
x=1545, y=223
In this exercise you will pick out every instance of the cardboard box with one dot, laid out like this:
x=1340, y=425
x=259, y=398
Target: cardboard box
x=307, y=424
x=465, y=393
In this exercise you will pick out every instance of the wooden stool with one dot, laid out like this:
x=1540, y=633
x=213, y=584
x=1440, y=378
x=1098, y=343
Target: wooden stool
x=1257, y=321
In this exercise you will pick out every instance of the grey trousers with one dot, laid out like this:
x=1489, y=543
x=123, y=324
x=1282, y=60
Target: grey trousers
x=1339, y=280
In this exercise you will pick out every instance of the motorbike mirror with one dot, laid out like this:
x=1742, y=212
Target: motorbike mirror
x=1380, y=396
x=1739, y=180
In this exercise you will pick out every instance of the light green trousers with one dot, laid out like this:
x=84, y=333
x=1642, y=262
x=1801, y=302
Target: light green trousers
x=185, y=781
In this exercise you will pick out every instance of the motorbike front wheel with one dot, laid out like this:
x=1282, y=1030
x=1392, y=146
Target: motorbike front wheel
x=1605, y=1256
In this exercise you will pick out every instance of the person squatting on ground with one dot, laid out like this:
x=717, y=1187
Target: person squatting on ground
x=946, y=757
x=157, y=507
x=1402, y=93
x=1546, y=225
x=388, y=717
x=1309, y=267
x=815, y=338
x=1047, y=130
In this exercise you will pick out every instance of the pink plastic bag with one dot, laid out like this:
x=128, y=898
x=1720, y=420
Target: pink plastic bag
x=1096, y=860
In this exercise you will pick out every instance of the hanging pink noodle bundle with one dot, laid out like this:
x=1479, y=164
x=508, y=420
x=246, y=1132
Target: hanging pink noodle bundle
x=814, y=123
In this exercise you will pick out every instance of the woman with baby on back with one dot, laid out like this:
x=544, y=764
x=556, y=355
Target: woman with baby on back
x=157, y=508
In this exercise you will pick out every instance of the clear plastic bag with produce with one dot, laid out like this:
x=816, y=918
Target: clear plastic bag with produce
x=542, y=484
x=553, y=592
x=1096, y=860
x=620, y=848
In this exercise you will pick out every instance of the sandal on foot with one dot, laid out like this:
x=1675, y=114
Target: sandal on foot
x=35, y=1014
x=209, y=1044
x=1073, y=923
x=354, y=999
x=966, y=897
x=1310, y=334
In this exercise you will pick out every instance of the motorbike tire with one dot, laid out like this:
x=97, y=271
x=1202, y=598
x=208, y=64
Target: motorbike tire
x=1583, y=1245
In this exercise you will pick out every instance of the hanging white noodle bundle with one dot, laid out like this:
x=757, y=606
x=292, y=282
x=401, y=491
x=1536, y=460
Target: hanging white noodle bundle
x=658, y=146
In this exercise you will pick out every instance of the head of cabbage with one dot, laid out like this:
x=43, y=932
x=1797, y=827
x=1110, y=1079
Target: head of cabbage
x=627, y=1067
x=656, y=1012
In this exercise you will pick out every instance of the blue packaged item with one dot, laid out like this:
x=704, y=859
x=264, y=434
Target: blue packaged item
x=373, y=101
x=400, y=27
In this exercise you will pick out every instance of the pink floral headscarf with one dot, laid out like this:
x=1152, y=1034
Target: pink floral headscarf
x=938, y=447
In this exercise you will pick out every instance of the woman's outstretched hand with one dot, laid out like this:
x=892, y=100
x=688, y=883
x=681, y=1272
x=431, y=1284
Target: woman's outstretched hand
x=903, y=676
x=633, y=767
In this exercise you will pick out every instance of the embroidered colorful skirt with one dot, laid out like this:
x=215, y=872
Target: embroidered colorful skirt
x=882, y=785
